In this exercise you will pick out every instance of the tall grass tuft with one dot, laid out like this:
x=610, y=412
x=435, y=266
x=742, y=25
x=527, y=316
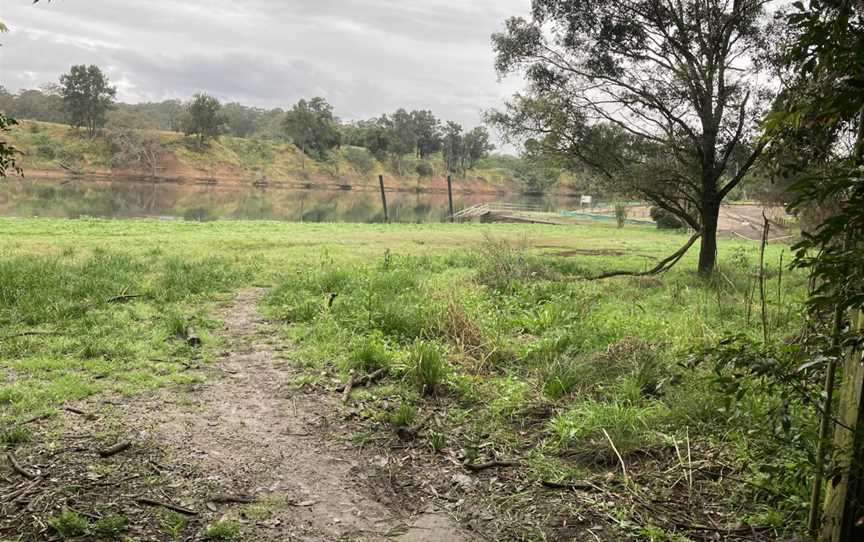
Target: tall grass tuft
x=427, y=367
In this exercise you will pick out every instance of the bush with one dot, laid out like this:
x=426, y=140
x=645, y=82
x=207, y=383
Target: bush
x=70, y=524
x=360, y=159
x=424, y=169
x=665, y=220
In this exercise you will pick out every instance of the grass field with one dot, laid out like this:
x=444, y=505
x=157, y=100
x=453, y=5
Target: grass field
x=491, y=329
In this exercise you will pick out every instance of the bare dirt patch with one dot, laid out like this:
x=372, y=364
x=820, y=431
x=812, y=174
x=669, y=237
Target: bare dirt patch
x=245, y=447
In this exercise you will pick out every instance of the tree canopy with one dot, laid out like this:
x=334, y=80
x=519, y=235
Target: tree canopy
x=659, y=98
x=203, y=118
x=312, y=127
x=88, y=96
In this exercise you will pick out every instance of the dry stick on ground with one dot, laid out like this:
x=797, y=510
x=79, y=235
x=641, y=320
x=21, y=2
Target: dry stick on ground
x=665, y=264
x=364, y=380
x=35, y=418
x=114, y=450
x=614, y=449
x=475, y=467
x=167, y=505
x=124, y=297
x=575, y=486
x=74, y=410
x=20, y=469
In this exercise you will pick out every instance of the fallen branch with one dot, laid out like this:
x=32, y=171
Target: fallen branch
x=475, y=467
x=124, y=297
x=35, y=418
x=74, y=410
x=114, y=450
x=575, y=486
x=167, y=505
x=17, y=467
x=346, y=393
x=364, y=380
x=233, y=499
x=664, y=265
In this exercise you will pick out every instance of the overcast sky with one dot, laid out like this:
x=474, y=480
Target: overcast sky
x=365, y=56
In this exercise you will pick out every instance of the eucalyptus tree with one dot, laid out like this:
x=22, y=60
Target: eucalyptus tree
x=88, y=96
x=312, y=127
x=660, y=97
x=204, y=119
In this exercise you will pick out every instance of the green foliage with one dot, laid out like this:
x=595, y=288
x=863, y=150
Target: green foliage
x=13, y=436
x=405, y=415
x=222, y=531
x=7, y=151
x=665, y=220
x=70, y=524
x=631, y=427
x=204, y=119
x=427, y=367
x=109, y=526
x=368, y=354
x=424, y=169
x=312, y=127
x=360, y=159
x=88, y=96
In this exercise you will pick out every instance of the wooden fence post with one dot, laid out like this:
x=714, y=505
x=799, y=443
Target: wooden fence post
x=383, y=198
x=838, y=520
x=450, y=197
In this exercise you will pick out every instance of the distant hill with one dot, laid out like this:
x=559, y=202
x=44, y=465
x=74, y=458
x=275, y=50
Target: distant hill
x=51, y=150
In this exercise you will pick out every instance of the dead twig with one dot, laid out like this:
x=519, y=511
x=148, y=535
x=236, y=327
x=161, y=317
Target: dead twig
x=122, y=298
x=17, y=467
x=475, y=467
x=74, y=410
x=167, y=505
x=233, y=499
x=575, y=486
x=364, y=380
x=614, y=449
x=36, y=418
x=115, y=449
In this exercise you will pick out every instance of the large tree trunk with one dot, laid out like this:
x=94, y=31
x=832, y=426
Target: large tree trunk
x=708, y=252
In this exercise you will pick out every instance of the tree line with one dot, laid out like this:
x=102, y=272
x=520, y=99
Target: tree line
x=86, y=100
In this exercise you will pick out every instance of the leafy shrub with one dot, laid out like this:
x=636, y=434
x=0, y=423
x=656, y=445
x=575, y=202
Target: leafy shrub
x=69, y=524
x=109, y=526
x=360, y=159
x=427, y=367
x=664, y=219
x=502, y=265
x=222, y=531
x=198, y=214
x=424, y=169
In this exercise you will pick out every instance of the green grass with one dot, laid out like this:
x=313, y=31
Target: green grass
x=486, y=325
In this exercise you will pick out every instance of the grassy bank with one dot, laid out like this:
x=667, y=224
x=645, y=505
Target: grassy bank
x=488, y=342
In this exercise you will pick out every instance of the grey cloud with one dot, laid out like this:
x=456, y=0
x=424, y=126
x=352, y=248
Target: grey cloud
x=365, y=56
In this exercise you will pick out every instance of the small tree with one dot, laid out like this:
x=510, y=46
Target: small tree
x=7, y=151
x=88, y=96
x=312, y=127
x=203, y=119
x=135, y=148
x=453, y=148
x=678, y=82
x=477, y=146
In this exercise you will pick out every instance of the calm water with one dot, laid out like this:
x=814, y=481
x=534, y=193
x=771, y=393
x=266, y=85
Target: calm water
x=79, y=197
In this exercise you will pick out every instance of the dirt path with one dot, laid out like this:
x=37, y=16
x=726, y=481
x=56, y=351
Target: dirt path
x=252, y=433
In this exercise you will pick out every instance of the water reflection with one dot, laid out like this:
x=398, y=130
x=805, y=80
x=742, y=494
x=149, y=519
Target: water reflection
x=74, y=198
